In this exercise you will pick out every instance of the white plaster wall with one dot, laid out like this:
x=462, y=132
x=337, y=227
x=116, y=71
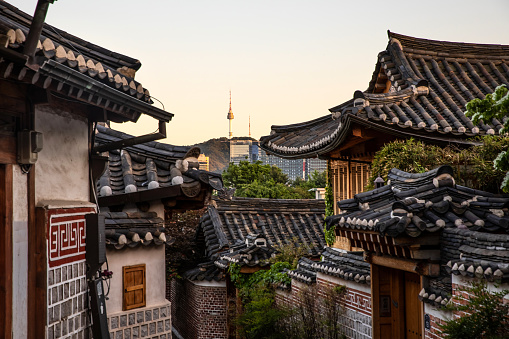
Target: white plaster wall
x=20, y=254
x=153, y=258
x=62, y=171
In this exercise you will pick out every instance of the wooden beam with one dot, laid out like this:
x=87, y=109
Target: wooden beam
x=6, y=215
x=423, y=268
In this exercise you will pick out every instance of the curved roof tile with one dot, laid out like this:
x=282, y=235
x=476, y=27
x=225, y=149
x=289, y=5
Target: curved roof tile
x=430, y=84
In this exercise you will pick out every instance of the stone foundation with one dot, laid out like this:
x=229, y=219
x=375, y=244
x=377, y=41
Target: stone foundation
x=147, y=322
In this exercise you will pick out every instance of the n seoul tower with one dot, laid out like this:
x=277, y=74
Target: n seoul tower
x=230, y=118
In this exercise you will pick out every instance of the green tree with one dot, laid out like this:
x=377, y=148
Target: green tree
x=494, y=106
x=255, y=180
x=486, y=315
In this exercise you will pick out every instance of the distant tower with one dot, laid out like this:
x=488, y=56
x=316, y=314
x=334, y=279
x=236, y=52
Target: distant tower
x=250, y=125
x=230, y=118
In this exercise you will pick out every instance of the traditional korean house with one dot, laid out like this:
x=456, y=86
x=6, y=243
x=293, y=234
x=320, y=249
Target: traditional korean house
x=245, y=231
x=55, y=90
x=423, y=238
x=419, y=89
x=141, y=185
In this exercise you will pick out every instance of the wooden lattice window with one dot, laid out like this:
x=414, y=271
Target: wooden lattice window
x=134, y=287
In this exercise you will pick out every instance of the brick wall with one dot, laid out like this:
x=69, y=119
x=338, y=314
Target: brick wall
x=67, y=301
x=356, y=319
x=147, y=322
x=198, y=311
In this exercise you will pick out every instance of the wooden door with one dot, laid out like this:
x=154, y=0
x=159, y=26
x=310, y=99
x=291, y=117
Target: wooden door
x=397, y=312
x=413, y=306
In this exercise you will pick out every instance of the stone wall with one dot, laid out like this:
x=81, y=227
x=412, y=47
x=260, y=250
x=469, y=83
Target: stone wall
x=199, y=309
x=356, y=319
x=67, y=301
x=148, y=322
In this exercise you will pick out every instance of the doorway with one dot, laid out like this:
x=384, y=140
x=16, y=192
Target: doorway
x=397, y=311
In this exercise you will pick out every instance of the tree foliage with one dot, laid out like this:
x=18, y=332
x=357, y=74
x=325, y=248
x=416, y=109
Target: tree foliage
x=494, y=106
x=255, y=180
x=473, y=166
x=486, y=315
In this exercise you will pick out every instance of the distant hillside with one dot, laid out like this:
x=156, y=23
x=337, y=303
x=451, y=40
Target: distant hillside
x=218, y=151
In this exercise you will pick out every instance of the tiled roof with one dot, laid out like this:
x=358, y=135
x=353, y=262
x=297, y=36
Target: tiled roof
x=426, y=202
x=150, y=166
x=205, y=271
x=279, y=221
x=336, y=263
x=61, y=56
x=253, y=252
x=132, y=229
x=430, y=84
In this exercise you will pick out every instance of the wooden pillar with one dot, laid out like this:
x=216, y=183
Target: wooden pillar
x=6, y=215
x=349, y=194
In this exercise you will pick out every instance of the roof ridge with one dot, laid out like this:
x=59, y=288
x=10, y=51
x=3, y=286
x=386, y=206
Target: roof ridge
x=409, y=42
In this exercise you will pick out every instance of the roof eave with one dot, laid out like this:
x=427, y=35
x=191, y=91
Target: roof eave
x=69, y=76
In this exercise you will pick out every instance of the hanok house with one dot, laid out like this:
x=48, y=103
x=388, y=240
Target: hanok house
x=141, y=184
x=419, y=89
x=245, y=231
x=423, y=237
x=54, y=88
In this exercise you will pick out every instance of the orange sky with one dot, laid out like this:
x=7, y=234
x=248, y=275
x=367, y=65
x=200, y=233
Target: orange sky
x=284, y=61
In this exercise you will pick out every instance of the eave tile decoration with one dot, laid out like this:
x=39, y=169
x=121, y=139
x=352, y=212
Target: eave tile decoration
x=77, y=56
x=472, y=226
x=132, y=229
x=279, y=221
x=254, y=252
x=150, y=166
x=413, y=204
x=334, y=262
x=419, y=87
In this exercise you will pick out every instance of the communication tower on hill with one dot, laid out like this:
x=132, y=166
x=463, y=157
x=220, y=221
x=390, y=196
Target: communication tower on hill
x=230, y=118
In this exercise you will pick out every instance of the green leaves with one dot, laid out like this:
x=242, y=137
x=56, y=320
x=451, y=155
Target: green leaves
x=486, y=314
x=255, y=180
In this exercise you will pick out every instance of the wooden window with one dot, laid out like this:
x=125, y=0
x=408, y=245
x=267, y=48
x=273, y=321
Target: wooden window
x=134, y=287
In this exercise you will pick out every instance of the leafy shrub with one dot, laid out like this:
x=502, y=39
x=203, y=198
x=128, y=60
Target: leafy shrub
x=487, y=316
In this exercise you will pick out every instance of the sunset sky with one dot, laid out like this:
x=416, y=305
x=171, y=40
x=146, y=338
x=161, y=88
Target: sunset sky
x=284, y=61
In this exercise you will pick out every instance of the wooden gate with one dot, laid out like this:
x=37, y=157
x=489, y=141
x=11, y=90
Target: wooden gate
x=397, y=311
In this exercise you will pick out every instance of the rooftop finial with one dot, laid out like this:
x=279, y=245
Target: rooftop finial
x=250, y=125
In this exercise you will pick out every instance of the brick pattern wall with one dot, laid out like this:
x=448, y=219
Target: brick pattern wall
x=67, y=301
x=434, y=332
x=198, y=312
x=356, y=320
x=146, y=322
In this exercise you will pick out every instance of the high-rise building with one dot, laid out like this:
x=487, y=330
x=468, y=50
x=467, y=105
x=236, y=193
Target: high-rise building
x=243, y=150
x=204, y=162
x=295, y=168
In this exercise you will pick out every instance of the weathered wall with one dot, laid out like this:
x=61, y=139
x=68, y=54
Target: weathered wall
x=20, y=254
x=153, y=258
x=356, y=320
x=62, y=171
x=199, y=309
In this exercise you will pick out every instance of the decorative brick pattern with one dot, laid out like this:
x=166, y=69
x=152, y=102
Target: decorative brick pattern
x=198, y=312
x=356, y=319
x=67, y=301
x=147, y=322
